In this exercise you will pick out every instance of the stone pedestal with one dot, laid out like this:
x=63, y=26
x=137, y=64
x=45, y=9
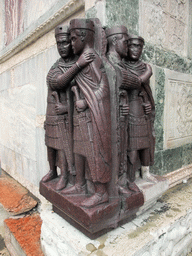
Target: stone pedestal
x=164, y=229
x=151, y=191
x=97, y=220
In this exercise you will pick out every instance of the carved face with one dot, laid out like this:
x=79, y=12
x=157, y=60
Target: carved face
x=77, y=42
x=135, y=48
x=121, y=46
x=63, y=45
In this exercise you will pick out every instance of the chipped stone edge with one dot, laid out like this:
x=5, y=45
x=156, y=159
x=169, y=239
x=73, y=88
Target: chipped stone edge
x=66, y=11
x=12, y=244
x=179, y=176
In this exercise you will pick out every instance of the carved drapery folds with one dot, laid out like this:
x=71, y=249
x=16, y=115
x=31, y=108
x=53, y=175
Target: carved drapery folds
x=99, y=126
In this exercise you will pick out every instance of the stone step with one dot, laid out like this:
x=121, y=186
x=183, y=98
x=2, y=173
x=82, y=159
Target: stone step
x=165, y=229
x=22, y=235
x=22, y=223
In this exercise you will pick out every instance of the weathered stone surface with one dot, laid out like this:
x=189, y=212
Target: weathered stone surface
x=14, y=19
x=23, y=105
x=5, y=80
x=179, y=176
x=190, y=32
x=14, y=198
x=172, y=16
x=41, y=155
x=152, y=192
x=18, y=115
x=166, y=59
x=36, y=9
x=129, y=11
x=172, y=159
x=187, y=154
x=22, y=235
x=157, y=168
x=178, y=107
x=159, y=105
x=163, y=230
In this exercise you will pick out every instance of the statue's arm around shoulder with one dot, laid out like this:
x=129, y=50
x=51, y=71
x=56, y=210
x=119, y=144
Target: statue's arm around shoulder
x=65, y=78
x=147, y=74
x=128, y=80
x=57, y=79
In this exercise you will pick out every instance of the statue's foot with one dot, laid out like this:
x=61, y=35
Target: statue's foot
x=49, y=176
x=124, y=191
x=133, y=187
x=62, y=183
x=75, y=190
x=95, y=200
x=149, y=177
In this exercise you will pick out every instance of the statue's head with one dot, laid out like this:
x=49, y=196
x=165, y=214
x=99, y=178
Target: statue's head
x=117, y=38
x=82, y=33
x=135, y=47
x=63, y=41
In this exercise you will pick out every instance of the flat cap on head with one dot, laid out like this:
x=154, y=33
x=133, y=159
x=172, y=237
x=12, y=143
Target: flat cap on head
x=82, y=24
x=61, y=30
x=116, y=30
x=133, y=37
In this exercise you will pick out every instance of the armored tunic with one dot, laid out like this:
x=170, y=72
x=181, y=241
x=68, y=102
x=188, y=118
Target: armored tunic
x=140, y=126
x=58, y=128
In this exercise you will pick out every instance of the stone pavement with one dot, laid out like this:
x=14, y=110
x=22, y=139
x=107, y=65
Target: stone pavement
x=3, y=215
x=163, y=230
x=20, y=223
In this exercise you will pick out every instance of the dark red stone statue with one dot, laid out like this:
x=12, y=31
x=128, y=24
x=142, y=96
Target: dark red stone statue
x=141, y=137
x=99, y=126
x=58, y=128
x=91, y=119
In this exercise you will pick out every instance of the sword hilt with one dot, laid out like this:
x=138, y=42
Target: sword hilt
x=56, y=96
x=76, y=92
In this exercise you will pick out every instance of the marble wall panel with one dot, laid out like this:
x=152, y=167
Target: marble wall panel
x=5, y=80
x=14, y=19
x=35, y=9
x=18, y=115
x=178, y=109
x=23, y=97
x=165, y=23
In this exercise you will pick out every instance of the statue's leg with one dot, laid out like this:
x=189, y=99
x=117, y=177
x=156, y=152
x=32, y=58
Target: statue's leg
x=63, y=166
x=100, y=196
x=80, y=169
x=80, y=183
x=51, y=154
x=145, y=160
x=131, y=170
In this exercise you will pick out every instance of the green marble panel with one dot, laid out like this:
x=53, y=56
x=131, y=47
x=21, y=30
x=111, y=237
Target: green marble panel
x=172, y=159
x=166, y=59
x=159, y=104
x=187, y=154
x=125, y=12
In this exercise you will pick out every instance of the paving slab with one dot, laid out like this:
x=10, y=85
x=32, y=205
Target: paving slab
x=20, y=223
x=15, y=198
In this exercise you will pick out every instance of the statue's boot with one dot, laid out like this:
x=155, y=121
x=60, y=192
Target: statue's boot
x=100, y=196
x=133, y=187
x=49, y=176
x=75, y=190
x=62, y=183
x=95, y=199
x=146, y=175
x=124, y=191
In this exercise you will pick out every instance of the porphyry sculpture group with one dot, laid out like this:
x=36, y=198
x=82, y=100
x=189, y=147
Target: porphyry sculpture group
x=99, y=126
